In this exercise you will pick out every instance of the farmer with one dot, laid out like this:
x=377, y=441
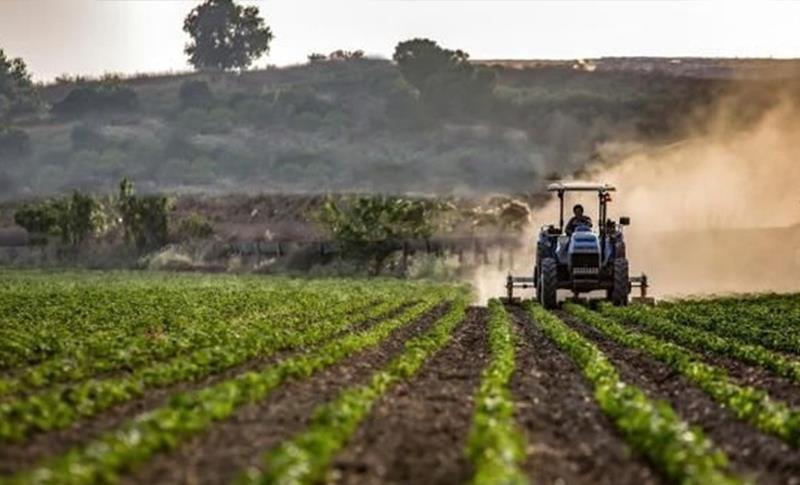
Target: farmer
x=578, y=219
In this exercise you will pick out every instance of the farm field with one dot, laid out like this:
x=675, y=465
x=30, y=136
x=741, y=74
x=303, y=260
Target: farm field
x=155, y=378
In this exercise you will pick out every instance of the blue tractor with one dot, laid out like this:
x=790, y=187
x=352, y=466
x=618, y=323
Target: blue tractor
x=580, y=258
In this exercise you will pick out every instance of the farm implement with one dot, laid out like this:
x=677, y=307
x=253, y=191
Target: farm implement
x=577, y=258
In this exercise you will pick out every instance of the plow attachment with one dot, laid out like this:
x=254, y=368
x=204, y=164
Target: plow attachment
x=525, y=282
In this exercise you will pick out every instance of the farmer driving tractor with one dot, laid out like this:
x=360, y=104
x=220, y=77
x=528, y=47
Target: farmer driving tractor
x=578, y=219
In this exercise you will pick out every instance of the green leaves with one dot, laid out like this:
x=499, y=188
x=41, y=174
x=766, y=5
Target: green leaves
x=186, y=414
x=652, y=428
x=747, y=403
x=304, y=458
x=495, y=445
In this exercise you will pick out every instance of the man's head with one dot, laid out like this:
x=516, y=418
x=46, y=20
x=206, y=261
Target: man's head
x=577, y=210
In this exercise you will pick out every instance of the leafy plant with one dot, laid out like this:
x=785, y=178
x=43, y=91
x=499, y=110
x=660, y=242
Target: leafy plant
x=496, y=446
x=750, y=404
x=371, y=228
x=652, y=428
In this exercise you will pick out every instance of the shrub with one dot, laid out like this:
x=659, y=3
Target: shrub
x=195, y=93
x=195, y=226
x=101, y=98
x=73, y=218
x=144, y=219
x=371, y=228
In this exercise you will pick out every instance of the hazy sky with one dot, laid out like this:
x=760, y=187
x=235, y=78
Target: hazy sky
x=97, y=36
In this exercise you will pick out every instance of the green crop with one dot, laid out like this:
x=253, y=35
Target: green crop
x=189, y=413
x=652, y=428
x=707, y=341
x=747, y=403
x=496, y=446
x=305, y=458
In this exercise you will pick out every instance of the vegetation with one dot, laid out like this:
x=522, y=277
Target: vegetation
x=652, y=428
x=225, y=35
x=748, y=403
x=304, y=458
x=496, y=447
x=371, y=228
x=705, y=341
x=313, y=308
x=18, y=95
x=73, y=218
x=106, y=97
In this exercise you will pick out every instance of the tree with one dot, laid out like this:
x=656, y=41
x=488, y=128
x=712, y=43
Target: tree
x=420, y=59
x=144, y=219
x=225, y=35
x=17, y=93
x=371, y=228
x=447, y=83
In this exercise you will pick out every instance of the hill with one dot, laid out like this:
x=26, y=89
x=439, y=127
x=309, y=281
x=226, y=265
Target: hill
x=356, y=125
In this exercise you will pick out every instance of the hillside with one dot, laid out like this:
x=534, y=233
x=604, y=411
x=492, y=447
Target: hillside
x=355, y=125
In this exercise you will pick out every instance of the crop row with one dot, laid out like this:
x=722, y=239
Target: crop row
x=189, y=413
x=108, y=354
x=59, y=407
x=134, y=320
x=753, y=326
x=650, y=427
x=496, y=447
x=703, y=340
x=306, y=457
x=750, y=404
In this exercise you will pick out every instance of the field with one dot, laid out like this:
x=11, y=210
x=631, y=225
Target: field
x=163, y=378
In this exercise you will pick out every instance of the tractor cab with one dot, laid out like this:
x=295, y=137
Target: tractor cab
x=581, y=257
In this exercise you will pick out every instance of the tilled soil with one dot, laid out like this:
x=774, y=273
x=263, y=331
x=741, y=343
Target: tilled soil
x=744, y=374
x=15, y=457
x=751, y=453
x=417, y=432
x=570, y=440
x=239, y=442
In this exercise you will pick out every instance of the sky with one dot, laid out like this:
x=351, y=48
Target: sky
x=93, y=37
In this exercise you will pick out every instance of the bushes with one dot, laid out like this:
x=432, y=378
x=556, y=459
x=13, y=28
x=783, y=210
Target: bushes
x=100, y=98
x=144, y=219
x=195, y=227
x=371, y=228
x=195, y=94
x=73, y=218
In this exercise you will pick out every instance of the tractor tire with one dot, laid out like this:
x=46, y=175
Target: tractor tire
x=548, y=283
x=619, y=293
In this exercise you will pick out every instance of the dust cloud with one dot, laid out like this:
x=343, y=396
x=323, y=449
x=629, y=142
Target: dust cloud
x=716, y=213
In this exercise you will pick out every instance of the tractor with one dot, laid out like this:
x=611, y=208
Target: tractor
x=586, y=260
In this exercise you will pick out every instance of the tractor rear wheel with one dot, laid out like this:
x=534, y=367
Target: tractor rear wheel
x=548, y=283
x=621, y=289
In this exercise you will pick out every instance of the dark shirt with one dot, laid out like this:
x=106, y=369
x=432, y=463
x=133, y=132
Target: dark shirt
x=578, y=221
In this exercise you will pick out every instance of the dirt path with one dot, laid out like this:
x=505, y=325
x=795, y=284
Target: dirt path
x=751, y=452
x=19, y=456
x=569, y=438
x=417, y=433
x=217, y=456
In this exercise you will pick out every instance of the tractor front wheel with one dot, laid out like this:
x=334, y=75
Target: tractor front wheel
x=621, y=289
x=548, y=283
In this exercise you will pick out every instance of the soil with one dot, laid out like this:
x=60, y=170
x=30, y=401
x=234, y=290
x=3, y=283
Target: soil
x=764, y=458
x=18, y=456
x=744, y=374
x=418, y=431
x=569, y=438
x=239, y=442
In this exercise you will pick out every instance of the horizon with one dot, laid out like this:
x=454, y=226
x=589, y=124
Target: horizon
x=132, y=37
